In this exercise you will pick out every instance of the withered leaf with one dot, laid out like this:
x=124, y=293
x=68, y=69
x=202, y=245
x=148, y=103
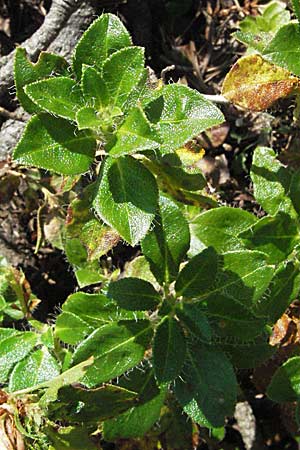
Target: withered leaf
x=255, y=84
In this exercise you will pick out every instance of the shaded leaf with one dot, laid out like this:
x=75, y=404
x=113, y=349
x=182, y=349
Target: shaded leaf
x=198, y=275
x=139, y=419
x=168, y=241
x=94, y=405
x=169, y=350
x=70, y=438
x=240, y=282
x=276, y=236
x=207, y=388
x=133, y=294
x=285, y=384
x=283, y=289
x=94, y=88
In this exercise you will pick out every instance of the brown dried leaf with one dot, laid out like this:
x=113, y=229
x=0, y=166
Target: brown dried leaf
x=255, y=84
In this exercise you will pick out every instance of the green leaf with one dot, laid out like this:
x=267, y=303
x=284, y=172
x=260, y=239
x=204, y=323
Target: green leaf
x=271, y=182
x=13, y=349
x=198, y=275
x=283, y=290
x=276, y=236
x=296, y=8
x=127, y=197
x=116, y=347
x=220, y=228
x=105, y=36
x=122, y=73
x=94, y=88
x=87, y=117
x=140, y=418
x=36, y=368
x=87, y=271
x=258, y=31
x=70, y=376
x=185, y=114
x=96, y=237
x=207, y=388
x=93, y=405
x=294, y=192
x=133, y=294
x=240, y=282
x=169, y=350
x=54, y=144
x=174, y=174
x=27, y=72
x=140, y=268
x=60, y=96
x=168, y=241
x=134, y=135
x=256, y=84
x=285, y=384
x=284, y=49
x=248, y=354
x=70, y=438
x=82, y=313
x=195, y=320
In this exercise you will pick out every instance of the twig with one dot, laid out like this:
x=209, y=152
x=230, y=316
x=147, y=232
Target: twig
x=216, y=98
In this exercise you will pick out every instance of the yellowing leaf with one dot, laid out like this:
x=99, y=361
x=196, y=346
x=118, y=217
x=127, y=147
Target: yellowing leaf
x=255, y=84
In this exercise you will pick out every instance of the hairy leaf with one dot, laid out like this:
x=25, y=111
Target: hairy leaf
x=284, y=49
x=271, y=182
x=127, y=197
x=169, y=350
x=168, y=241
x=116, y=347
x=54, y=144
x=13, y=349
x=122, y=73
x=135, y=135
x=220, y=228
x=27, y=72
x=105, y=36
x=82, y=313
x=60, y=96
x=185, y=114
x=285, y=384
x=133, y=294
x=207, y=388
x=36, y=368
